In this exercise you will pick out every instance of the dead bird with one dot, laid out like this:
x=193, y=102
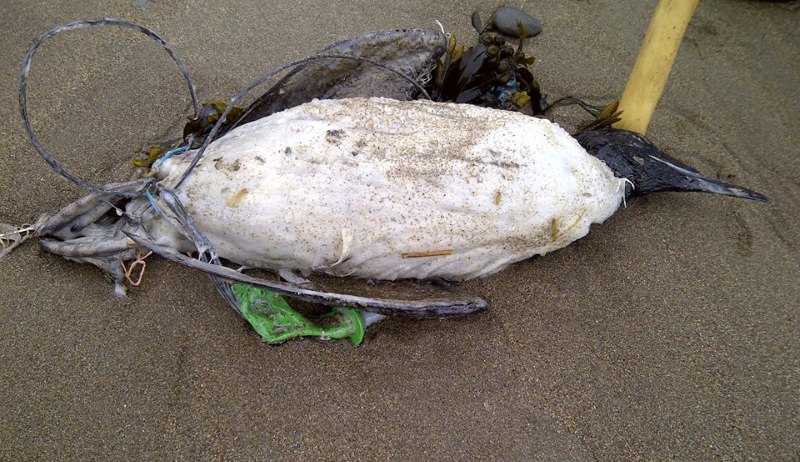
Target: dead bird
x=388, y=189
x=370, y=187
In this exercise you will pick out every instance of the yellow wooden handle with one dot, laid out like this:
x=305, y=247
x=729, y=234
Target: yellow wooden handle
x=650, y=72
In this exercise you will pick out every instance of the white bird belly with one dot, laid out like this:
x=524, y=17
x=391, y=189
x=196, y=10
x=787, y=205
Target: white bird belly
x=386, y=189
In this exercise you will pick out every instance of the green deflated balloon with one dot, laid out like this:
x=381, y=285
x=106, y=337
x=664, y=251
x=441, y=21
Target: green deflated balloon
x=276, y=322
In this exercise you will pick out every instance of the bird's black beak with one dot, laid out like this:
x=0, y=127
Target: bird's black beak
x=632, y=156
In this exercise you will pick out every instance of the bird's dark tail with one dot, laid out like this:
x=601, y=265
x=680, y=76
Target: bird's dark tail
x=632, y=156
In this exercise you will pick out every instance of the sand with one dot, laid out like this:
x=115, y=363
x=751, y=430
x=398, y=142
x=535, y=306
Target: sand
x=670, y=332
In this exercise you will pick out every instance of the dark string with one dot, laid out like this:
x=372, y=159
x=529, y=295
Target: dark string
x=86, y=23
x=82, y=24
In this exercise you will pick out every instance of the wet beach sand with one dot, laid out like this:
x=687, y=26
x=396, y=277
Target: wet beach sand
x=670, y=332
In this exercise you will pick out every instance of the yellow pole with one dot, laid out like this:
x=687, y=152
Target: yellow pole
x=650, y=72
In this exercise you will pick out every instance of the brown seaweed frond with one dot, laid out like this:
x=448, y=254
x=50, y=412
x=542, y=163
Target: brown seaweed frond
x=607, y=116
